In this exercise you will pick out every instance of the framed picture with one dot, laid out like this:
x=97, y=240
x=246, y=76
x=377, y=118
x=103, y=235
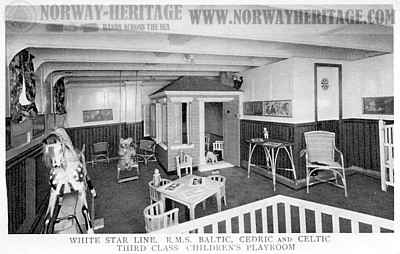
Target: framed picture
x=378, y=105
x=253, y=108
x=278, y=108
x=97, y=115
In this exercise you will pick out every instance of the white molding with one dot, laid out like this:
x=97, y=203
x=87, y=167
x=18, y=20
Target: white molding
x=157, y=95
x=181, y=146
x=216, y=99
x=197, y=93
x=181, y=99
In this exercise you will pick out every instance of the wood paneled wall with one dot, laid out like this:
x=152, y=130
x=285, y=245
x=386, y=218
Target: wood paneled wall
x=358, y=139
x=27, y=177
x=26, y=189
x=16, y=196
x=110, y=133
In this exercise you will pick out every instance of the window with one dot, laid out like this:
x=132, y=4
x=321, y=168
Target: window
x=153, y=120
x=164, y=124
x=185, y=123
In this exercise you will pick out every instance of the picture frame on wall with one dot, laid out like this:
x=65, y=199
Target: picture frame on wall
x=383, y=105
x=277, y=108
x=253, y=108
x=97, y=115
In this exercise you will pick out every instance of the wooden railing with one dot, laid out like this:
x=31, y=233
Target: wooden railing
x=386, y=153
x=282, y=214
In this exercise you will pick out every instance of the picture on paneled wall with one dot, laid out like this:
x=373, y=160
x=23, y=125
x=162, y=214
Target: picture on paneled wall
x=378, y=105
x=97, y=115
x=280, y=108
x=253, y=108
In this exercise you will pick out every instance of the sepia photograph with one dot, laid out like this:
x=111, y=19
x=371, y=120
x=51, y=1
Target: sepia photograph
x=186, y=127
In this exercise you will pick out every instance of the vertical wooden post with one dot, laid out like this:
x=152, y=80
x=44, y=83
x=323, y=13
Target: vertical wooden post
x=382, y=155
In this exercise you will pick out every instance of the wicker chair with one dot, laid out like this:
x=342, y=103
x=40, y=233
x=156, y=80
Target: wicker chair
x=147, y=151
x=155, y=218
x=320, y=156
x=154, y=195
x=221, y=180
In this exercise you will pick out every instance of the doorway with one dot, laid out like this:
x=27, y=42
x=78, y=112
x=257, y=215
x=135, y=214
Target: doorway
x=220, y=122
x=328, y=96
x=213, y=128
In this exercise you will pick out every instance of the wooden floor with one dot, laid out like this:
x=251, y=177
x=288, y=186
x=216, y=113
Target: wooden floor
x=121, y=205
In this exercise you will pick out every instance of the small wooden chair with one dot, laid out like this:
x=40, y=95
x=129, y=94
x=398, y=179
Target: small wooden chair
x=219, y=146
x=100, y=152
x=220, y=179
x=156, y=218
x=154, y=195
x=184, y=162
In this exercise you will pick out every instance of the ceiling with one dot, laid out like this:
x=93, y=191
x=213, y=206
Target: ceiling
x=157, y=58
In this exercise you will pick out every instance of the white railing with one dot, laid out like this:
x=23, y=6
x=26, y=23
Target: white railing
x=386, y=151
x=271, y=215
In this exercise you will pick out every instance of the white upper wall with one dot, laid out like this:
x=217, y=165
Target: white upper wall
x=105, y=96
x=370, y=77
x=294, y=79
x=270, y=82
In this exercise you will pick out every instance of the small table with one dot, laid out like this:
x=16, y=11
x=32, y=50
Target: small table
x=271, y=149
x=189, y=194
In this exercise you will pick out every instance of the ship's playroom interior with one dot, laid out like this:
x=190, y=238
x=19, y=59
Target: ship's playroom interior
x=208, y=99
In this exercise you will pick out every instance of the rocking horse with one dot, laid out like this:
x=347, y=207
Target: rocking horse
x=67, y=209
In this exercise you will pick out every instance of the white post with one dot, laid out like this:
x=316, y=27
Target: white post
x=202, y=160
x=382, y=154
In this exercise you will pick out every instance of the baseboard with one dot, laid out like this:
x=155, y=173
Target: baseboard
x=300, y=183
x=367, y=172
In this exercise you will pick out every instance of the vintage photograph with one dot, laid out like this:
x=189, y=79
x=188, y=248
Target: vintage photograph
x=160, y=119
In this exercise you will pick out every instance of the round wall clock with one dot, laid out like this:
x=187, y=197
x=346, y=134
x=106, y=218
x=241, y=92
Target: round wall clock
x=325, y=83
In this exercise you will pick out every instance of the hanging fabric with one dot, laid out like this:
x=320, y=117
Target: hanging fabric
x=59, y=97
x=22, y=87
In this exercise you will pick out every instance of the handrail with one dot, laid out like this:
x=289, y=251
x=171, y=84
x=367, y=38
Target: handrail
x=30, y=152
x=214, y=219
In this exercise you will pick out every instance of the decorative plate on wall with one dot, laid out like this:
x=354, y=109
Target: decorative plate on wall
x=324, y=84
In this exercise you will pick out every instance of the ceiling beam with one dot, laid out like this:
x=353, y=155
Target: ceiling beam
x=161, y=43
x=117, y=78
x=102, y=83
x=43, y=55
x=259, y=29
x=50, y=67
x=133, y=73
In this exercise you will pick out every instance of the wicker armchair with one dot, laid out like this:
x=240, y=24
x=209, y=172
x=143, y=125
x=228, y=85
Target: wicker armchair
x=147, y=151
x=320, y=156
x=100, y=152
